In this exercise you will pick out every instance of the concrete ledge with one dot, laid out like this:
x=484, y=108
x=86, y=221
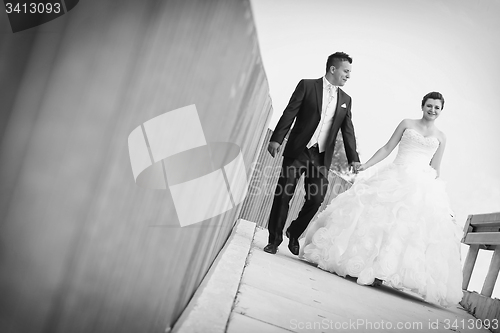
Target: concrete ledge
x=210, y=308
x=482, y=307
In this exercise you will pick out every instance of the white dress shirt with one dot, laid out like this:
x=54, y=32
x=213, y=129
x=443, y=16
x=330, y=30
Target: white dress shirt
x=328, y=110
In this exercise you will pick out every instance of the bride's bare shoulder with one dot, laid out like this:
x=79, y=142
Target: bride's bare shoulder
x=409, y=122
x=405, y=123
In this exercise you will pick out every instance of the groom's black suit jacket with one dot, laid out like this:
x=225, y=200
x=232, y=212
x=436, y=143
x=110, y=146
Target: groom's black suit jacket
x=305, y=107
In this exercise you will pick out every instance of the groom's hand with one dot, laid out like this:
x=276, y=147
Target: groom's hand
x=273, y=148
x=356, y=167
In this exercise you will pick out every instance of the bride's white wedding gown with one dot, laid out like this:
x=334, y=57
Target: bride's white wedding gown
x=395, y=226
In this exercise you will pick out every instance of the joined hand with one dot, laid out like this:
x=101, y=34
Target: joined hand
x=357, y=166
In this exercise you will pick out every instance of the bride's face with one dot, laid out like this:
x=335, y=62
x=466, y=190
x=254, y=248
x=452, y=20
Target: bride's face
x=432, y=108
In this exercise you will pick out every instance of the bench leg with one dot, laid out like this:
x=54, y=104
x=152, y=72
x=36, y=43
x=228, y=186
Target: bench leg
x=469, y=265
x=491, y=277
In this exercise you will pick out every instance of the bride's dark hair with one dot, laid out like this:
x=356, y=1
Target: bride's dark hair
x=337, y=57
x=434, y=95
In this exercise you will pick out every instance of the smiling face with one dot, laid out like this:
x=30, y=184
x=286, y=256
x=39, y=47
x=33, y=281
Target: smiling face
x=432, y=108
x=341, y=73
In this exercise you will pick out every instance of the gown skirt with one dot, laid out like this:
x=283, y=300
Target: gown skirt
x=396, y=226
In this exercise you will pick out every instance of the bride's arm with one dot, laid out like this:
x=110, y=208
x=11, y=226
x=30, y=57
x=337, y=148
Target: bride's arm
x=438, y=155
x=387, y=148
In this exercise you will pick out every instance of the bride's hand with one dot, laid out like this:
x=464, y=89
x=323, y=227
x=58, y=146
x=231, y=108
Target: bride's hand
x=361, y=167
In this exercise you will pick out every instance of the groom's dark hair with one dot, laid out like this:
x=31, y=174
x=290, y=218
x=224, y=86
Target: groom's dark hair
x=336, y=58
x=433, y=95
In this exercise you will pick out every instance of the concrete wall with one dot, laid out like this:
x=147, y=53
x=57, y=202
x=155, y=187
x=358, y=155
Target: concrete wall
x=83, y=248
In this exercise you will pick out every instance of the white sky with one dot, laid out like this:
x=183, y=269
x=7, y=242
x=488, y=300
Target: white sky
x=402, y=50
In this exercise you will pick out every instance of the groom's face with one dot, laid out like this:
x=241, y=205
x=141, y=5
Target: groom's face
x=341, y=73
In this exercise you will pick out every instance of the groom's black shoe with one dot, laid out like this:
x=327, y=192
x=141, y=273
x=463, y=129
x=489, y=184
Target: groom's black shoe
x=293, y=244
x=271, y=248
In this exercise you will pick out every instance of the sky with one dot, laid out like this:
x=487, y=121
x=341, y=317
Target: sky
x=402, y=50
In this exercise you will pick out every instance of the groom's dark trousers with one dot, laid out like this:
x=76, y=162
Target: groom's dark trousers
x=311, y=164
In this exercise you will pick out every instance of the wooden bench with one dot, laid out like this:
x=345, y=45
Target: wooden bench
x=482, y=231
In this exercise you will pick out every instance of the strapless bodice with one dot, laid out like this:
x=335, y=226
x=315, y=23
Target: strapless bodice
x=416, y=149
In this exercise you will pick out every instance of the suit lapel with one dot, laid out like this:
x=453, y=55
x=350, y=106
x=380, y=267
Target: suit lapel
x=339, y=110
x=319, y=94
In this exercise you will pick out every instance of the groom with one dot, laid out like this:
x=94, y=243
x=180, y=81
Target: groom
x=320, y=108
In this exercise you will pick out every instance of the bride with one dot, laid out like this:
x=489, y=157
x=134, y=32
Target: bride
x=396, y=225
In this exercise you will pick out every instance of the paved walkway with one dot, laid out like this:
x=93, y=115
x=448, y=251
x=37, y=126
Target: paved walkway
x=280, y=293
